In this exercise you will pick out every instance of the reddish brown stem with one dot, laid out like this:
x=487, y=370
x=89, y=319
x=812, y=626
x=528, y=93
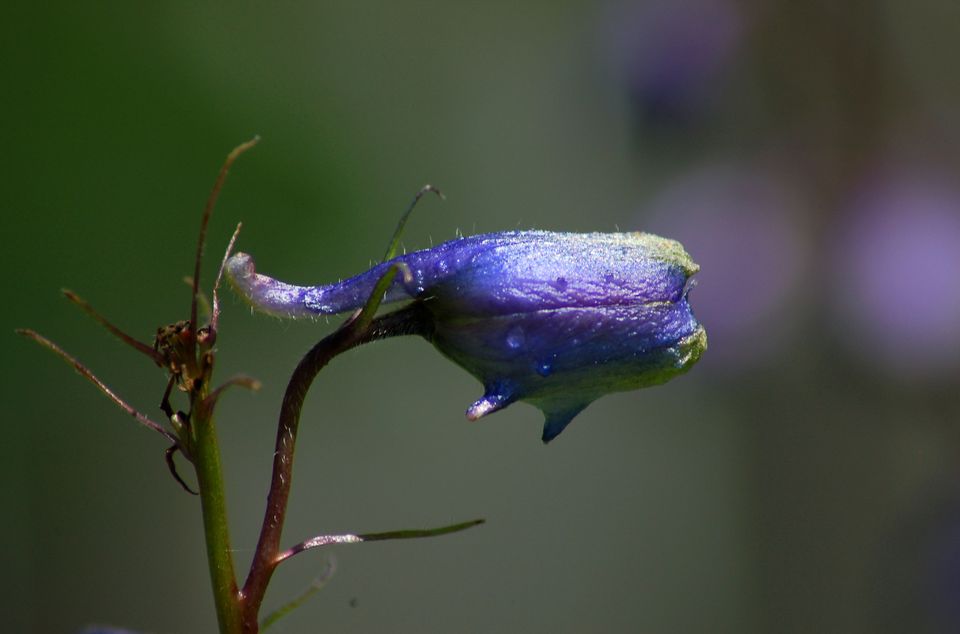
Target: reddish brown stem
x=358, y=330
x=137, y=345
x=86, y=373
x=205, y=221
x=265, y=557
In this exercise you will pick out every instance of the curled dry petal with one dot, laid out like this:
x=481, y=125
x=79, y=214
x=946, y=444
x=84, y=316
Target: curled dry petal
x=553, y=319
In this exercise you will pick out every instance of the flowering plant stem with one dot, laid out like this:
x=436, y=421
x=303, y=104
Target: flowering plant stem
x=353, y=332
x=216, y=533
x=187, y=351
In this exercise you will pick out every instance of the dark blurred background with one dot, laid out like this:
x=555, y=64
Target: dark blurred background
x=802, y=478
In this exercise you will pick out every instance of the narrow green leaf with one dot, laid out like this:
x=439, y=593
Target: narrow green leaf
x=325, y=575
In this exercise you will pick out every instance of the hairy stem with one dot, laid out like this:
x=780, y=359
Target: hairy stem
x=361, y=328
x=356, y=331
x=204, y=449
x=265, y=558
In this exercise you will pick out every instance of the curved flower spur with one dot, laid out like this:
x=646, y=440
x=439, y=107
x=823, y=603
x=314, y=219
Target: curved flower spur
x=553, y=319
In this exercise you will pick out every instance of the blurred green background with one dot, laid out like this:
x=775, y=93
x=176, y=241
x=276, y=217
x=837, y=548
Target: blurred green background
x=802, y=478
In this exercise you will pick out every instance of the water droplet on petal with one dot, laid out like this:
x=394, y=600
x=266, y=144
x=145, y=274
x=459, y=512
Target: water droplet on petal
x=544, y=368
x=515, y=338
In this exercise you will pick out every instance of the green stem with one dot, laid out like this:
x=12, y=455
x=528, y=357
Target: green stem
x=216, y=533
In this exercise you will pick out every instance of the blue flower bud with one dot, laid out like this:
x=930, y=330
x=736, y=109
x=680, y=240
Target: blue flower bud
x=553, y=319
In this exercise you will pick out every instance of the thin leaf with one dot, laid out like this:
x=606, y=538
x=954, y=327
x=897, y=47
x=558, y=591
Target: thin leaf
x=239, y=381
x=415, y=533
x=134, y=343
x=87, y=374
x=395, y=240
x=418, y=533
x=205, y=221
x=325, y=575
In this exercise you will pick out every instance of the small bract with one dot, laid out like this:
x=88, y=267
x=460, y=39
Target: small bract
x=553, y=319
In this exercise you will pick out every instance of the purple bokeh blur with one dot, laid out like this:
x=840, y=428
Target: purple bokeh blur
x=896, y=256
x=670, y=56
